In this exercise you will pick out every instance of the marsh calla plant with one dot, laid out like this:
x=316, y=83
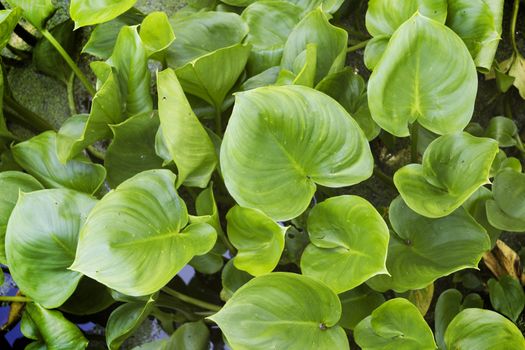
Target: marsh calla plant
x=231, y=173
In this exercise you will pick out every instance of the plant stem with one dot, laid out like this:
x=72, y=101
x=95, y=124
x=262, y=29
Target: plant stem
x=71, y=94
x=357, y=46
x=218, y=121
x=26, y=117
x=18, y=299
x=383, y=177
x=96, y=153
x=414, y=131
x=515, y=9
x=190, y=300
x=69, y=61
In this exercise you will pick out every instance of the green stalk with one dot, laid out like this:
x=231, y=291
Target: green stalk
x=69, y=61
x=218, y=121
x=357, y=46
x=414, y=131
x=18, y=299
x=384, y=177
x=26, y=117
x=515, y=9
x=190, y=300
x=71, y=94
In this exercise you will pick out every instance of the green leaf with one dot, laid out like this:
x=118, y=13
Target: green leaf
x=478, y=23
x=124, y=321
x=423, y=249
x=374, y=50
x=156, y=33
x=48, y=60
x=454, y=167
x=396, y=324
x=103, y=37
x=275, y=149
x=329, y=6
x=349, y=89
x=267, y=77
x=35, y=11
x=483, y=330
x=517, y=70
x=282, y=311
x=259, y=240
x=202, y=33
x=12, y=183
x=184, y=136
x=130, y=60
x=331, y=44
x=232, y=279
x=502, y=130
x=357, y=304
x=190, y=336
x=476, y=207
x=409, y=84
x=39, y=158
x=146, y=235
x=54, y=329
x=89, y=12
x=133, y=148
x=89, y=298
x=211, y=76
x=39, y=251
x=507, y=210
x=507, y=296
x=80, y=131
x=270, y=23
x=449, y=304
x=384, y=17
x=421, y=298
x=8, y=21
x=349, y=242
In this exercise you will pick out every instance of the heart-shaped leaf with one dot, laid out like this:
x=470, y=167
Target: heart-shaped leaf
x=503, y=130
x=35, y=11
x=478, y=23
x=483, y=330
x=449, y=304
x=397, y=323
x=476, y=207
x=423, y=249
x=259, y=316
x=184, y=136
x=12, y=183
x=331, y=44
x=146, y=235
x=259, y=240
x=271, y=158
x=39, y=251
x=156, y=33
x=133, y=148
x=349, y=89
x=412, y=85
x=270, y=23
x=39, y=158
x=454, y=167
x=507, y=210
x=89, y=12
x=507, y=296
x=348, y=235
x=54, y=331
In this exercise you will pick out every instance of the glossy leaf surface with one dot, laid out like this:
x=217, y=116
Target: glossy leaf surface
x=35, y=11
x=395, y=324
x=502, y=130
x=39, y=158
x=8, y=21
x=156, y=33
x=349, y=235
x=483, y=330
x=151, y=216
x=258, y=239
x=284, y=311
x=89, y=12
x=423, y=249
x=190, y=336
x=454, y=167
x=410, y=84
x=507, y=210
x=272, y=158
x=357, y=304
x=186, y=139
x=507, y=296
x=12, y=183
